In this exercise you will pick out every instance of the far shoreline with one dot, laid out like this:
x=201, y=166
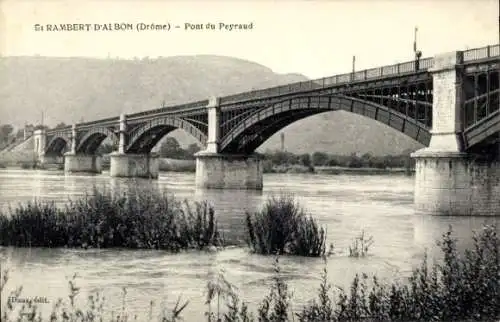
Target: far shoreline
x=189, y=166
x=176, y=165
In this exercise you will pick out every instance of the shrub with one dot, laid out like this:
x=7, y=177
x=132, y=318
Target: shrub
x=103, y=220
x=276, y=305
x=267, y=166
x=27, y=165
x=282, y=227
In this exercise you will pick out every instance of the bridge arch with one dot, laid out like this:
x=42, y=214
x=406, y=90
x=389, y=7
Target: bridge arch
x=145, y=137
x=57, y=144
x=93, y=138
x=259, y=126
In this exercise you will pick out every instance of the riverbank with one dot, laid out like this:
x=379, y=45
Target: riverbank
x=31, y=165
x=189, y=166
x=361, y=171
x=174, y=165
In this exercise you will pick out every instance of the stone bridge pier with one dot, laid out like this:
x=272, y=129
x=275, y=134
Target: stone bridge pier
x=39, y=144
x=123, y=164
x=215, y=170
x=448, y=179
x=78, y=162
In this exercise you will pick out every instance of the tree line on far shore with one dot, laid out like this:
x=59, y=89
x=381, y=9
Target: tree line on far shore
x=354, y=160
x=170, y=148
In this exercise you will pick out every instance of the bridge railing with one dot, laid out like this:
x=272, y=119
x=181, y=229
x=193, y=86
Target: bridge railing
x=109, y=119
x=169, y=109
x=59, y=129
x=481, y=53
x=391, y=70
x=363, y=75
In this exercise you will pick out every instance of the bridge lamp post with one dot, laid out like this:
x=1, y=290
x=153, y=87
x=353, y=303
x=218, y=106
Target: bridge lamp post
x=42, y=119
x=353, y=68
x=418, y=53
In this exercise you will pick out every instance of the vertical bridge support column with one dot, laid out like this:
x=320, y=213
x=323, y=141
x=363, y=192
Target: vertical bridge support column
x=216, y=170
x=79, y=162
x=449, y=181
x=40, y=141
x=130, y=165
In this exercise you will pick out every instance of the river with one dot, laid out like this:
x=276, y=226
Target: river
x=381, y=205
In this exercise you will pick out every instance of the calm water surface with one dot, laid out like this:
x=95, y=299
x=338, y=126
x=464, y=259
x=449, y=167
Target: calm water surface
x=381, y=205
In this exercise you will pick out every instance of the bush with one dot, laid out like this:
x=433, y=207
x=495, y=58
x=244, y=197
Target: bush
x=282, y=227
x=319, y=158
x=103, y=220
x=267, y=166
x=27, y=165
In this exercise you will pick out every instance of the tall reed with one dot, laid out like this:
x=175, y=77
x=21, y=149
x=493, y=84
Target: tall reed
x=283, y=227
x=105, y=219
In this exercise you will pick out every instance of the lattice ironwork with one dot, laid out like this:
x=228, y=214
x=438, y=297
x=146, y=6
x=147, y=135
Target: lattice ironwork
x=483, y=133
x=264, y=122
x=92, y=139
x=481, y=116
x=405, y=105
x=481, y=91
x=143, y=138
x=58, y=143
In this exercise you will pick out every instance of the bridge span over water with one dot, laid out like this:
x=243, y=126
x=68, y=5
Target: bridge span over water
x=449, y=103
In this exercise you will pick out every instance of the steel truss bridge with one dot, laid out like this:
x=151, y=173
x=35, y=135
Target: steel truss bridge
x=399, y=95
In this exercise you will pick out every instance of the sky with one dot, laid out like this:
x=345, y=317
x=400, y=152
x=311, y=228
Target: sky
x=313, y=38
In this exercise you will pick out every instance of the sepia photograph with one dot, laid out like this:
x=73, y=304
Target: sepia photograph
x=237, y=161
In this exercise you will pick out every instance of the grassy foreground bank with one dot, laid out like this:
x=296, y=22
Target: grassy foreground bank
x=463, y=287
